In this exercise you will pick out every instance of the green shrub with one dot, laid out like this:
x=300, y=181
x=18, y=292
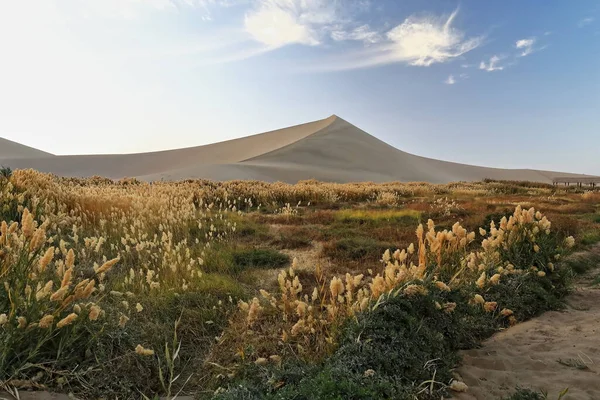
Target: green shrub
x=296, y=238
x=590, y=238
x=525, y=394
x=374, y=217
x=5, y=172
x=404, y=342
x=356, y=249
x=259, y=258
x=529, y=295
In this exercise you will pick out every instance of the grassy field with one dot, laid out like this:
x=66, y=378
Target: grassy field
x=251, y=290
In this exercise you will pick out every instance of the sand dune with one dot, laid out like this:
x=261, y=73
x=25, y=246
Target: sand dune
x=10, y=150
x=328, y=150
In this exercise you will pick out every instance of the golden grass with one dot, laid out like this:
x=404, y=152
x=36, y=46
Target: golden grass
x=83, y=260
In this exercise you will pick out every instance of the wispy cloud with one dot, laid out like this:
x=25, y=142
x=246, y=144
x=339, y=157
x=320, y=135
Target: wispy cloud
x=450, y=80
x=424, y=41
x=526, y=46
x=492, y=65
x=418, y=41
x=362, y=33
x=585, y=21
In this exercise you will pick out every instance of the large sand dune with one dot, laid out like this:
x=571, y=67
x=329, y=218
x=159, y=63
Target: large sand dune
x=328, y=150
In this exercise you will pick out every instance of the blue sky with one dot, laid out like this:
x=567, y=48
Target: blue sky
x=498, y=83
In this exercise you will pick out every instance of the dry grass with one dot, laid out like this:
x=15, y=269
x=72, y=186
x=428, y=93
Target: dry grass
x=95, y=268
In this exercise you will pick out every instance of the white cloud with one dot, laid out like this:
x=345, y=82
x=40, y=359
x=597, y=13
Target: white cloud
x=276, y=23
x=585, y=21
x=450, y=80
x=492, y=65
x=362, y=33
x=418, y=41
x=429, y=40
x=526, y=46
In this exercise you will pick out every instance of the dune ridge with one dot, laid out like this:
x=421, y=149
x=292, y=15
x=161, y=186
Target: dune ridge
x=330, y=149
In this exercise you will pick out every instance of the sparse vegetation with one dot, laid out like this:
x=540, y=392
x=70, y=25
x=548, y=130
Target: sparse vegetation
x=528, y=394
x=114, y=289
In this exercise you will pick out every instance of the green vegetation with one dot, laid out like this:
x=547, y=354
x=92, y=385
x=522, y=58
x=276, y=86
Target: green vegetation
x=528, y=394
x=259, y=258
x=356, y=249
x=114, y=289
x=362, y=216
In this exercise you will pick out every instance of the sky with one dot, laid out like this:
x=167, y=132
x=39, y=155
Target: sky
x=508, y=83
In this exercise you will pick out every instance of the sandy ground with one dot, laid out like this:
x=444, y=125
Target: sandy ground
x=527, y=354
x=34, y=396
x=331, y=150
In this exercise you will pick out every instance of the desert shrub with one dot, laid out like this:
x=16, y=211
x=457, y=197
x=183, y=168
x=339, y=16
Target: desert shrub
x=526, y=394
x=590, y=238
x=356, y=248
x=496, y=217
x=5, y=172
x=259, y=258
x=374, y=217
x=529, y=295
x=293, y=238
x=580, y=262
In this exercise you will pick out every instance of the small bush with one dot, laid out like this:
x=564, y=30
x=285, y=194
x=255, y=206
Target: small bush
x=525, y=394
x=375, y=216
x=293, y=238
x=5, y=172
x=356, y=249
x=590, y=238
x=528, y=295
x=259, y=258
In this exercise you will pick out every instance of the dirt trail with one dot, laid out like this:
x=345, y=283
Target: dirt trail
x=528, y=354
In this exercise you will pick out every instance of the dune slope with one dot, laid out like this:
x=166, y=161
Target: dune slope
x=328, y=150
x=12, y=150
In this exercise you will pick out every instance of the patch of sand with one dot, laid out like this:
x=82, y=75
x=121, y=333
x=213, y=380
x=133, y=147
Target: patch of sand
x=24, y=395
x=527, y=354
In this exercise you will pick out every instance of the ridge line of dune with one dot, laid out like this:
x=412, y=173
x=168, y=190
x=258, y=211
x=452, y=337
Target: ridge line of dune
x=333, y=118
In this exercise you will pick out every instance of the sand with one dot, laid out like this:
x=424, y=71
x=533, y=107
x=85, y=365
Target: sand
x=528, y=353
x=330, y=150
x=12, y=150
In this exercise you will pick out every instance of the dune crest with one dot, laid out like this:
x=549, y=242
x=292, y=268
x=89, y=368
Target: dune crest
x=330, y=149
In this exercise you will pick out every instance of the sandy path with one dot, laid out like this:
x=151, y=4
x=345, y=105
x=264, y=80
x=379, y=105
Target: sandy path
x=528, y=354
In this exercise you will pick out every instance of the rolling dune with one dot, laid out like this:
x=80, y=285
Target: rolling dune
x=328, y=150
